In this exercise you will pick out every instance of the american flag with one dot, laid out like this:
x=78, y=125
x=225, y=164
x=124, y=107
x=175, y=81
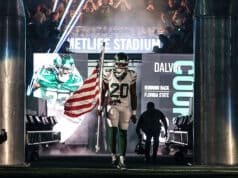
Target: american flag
x=85, y=98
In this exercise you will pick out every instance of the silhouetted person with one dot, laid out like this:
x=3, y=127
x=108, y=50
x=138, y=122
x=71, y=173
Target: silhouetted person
x=150, y=124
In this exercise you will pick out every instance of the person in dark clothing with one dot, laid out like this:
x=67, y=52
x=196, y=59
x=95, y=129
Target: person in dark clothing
x=150, y=124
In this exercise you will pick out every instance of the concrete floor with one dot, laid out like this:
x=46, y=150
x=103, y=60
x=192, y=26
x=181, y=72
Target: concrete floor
x=99, y=166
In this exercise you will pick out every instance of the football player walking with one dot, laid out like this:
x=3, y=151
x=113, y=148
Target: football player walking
x=120, y=83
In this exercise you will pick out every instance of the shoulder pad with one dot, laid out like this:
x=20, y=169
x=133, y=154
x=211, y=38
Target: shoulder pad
x=133, y=76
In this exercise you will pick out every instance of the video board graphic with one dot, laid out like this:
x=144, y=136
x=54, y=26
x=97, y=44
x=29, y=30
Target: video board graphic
x=167, y=80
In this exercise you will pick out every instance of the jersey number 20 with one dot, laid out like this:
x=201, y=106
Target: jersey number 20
x=119, y=90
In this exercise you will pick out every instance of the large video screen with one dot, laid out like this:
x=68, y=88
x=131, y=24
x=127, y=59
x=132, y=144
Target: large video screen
x=55, y=78
x=166, y=80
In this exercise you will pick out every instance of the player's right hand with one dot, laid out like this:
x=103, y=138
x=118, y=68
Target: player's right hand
x=99, y=112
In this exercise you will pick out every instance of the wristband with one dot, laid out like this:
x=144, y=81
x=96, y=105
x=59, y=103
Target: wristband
x=134, y=112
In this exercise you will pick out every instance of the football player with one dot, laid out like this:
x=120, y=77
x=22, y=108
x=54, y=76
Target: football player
x=56, y=82
x=120, y=83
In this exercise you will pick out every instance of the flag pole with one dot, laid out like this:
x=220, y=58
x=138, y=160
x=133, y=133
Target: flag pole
x=101, y=63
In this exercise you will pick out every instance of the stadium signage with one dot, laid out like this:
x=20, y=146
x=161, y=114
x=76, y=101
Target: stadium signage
x=92, y=45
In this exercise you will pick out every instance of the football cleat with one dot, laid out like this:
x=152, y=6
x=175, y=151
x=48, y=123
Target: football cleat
x=114, y=161
x=121, y=165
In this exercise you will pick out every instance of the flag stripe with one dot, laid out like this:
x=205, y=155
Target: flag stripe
x=79, y=101
x=90, y=80
x=83, y=90
x=86, y=91
x=88, y=83
x=80, y=112
x=78, y=107
x=83, y=98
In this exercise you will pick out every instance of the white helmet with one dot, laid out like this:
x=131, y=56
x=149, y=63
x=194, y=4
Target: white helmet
x=121, y=64
x=64, y=67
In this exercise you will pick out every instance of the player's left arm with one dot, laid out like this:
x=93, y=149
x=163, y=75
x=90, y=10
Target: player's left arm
x=133, y=102
x=133, y=96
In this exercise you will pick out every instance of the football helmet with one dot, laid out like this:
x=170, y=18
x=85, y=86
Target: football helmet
x=121, y=63
x=64, y=66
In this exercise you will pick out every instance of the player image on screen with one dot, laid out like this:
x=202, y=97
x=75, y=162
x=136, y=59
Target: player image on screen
x=55, y=82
